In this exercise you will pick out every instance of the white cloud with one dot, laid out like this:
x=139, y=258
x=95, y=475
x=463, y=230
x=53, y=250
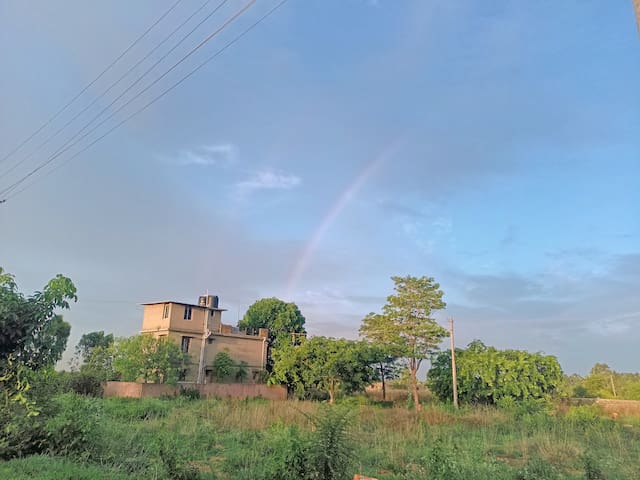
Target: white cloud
x=268, y=180
x=207, y=155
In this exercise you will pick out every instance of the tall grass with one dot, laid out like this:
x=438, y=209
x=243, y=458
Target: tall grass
x=258, y=439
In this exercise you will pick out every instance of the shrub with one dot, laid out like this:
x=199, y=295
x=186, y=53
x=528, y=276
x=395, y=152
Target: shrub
x=222, y=366
x=85, y=383
x=584, y=415
x=20, y=434
x=68, y=424
x=190, y=393
x=331, y=446
x=441, y=462
x=74, y=429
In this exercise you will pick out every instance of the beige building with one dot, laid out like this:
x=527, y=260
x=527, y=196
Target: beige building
x=199, y=331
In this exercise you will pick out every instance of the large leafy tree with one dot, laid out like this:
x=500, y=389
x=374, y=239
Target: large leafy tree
x=149, y=358
x=487, y=375
x=31, y=333
x=90, y=341
x=281, y=318
x=327, y=364
x=406, y=328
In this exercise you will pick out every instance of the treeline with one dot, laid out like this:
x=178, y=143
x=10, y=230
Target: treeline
x=603, y=382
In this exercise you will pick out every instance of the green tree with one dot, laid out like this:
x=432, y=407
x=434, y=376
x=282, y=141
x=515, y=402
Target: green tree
x=99, y=364
x=281, y=318
x=386, y=364
x=149, y=358
x=331, y=365
x=32, y=335
x=406, y=328
x=242, y=371
x=487, y=375
x=223, y=366
x=90, y=341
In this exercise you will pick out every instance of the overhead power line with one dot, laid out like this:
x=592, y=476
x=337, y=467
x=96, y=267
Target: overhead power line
x=100, y=75
x=78, y=136
x=69, y=122
x=7, y=191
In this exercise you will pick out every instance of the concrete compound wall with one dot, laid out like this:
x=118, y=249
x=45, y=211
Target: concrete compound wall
x=222, y=390
x=612, y=406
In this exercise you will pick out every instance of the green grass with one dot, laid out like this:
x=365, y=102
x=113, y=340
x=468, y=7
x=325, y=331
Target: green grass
x=49, y=468
x=258, y=439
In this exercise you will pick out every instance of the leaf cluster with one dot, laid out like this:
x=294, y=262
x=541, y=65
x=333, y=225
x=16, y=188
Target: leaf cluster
x=149, y=358
x=488, y=375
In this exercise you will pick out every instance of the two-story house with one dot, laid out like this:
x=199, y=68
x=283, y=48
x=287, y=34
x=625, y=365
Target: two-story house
x=199, y=331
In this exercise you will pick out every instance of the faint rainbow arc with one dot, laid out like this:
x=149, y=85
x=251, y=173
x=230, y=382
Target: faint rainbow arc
x=336, y=209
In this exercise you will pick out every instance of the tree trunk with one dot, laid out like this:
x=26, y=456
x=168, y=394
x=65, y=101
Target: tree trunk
x=414, y=386
x=331, y=397
x=384, y=387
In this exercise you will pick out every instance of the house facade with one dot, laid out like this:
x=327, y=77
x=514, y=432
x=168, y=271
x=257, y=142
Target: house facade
x=199, y=331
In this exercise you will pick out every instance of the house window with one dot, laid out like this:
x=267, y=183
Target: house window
x=165, y=313
x=186, y=343
x=187, y=312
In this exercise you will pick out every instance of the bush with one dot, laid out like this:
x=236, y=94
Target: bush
x=84, y=383
x=331, y=446
x=190, y=393
x=74, y=429
x=20, y=434
x=584, y=415
x=441, y=462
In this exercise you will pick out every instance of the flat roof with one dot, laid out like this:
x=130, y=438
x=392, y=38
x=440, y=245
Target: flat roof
x=186, y=304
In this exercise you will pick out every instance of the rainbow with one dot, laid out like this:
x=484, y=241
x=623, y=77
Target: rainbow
x=337, y=207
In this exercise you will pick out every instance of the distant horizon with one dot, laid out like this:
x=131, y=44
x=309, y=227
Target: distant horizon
x=493, y=147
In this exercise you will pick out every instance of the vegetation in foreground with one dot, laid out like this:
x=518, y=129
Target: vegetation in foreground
x=186, y=438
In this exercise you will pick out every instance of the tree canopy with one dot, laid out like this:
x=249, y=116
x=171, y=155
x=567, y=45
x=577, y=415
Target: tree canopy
x=327, y=364
x=149, y=358
x=31, y=333
x=604, y=382
x=487, y=375
x=281, y=318
x=90, y=341
x=406, y=327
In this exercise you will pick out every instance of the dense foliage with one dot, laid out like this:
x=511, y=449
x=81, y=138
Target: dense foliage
x=488, y=375
x=406, y=328
x=325, y=364
x=32, y=335
x=281, y=318
x=90, y=341
x=603, y=382
x=150, y=359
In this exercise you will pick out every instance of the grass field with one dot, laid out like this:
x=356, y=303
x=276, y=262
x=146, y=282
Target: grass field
x=257, y=439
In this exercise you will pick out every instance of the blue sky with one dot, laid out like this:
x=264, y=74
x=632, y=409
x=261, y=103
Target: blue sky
x=492, y=145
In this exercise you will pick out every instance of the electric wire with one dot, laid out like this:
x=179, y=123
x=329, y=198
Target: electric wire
x=100, y=75
x=144, y=107
x=69, y=122
x=7, y=191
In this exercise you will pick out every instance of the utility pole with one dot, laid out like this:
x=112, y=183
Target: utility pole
x=613, y=385
x=454, y=378
x=636, y=5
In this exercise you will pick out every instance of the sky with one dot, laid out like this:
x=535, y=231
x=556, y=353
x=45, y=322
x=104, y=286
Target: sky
x=494, y=146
